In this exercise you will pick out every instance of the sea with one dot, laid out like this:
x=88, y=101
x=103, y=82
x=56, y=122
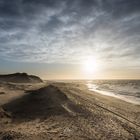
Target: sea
x=127, y=90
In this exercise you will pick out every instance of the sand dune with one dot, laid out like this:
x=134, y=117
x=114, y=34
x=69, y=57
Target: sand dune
x=66, y=111
x=37, y=104
x=20, y=78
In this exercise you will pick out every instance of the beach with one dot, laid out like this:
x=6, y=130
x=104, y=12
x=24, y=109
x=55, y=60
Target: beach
x=64, y=110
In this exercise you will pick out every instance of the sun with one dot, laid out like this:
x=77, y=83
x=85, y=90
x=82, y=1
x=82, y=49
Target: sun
x=90, y=65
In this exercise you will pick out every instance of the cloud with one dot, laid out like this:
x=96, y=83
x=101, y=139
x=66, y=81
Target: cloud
x=67, y=31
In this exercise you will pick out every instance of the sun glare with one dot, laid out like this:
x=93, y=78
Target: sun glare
x=90, y=65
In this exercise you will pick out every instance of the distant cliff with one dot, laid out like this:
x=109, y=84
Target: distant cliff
x=20, y=78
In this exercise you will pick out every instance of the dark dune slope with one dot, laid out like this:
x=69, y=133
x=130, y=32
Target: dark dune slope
x=37, y=104
x=20, y=78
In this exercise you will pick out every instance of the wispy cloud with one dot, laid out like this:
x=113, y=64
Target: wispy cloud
x=66, y=31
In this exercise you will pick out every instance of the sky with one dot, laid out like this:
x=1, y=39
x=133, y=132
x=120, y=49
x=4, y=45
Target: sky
x=54, y=38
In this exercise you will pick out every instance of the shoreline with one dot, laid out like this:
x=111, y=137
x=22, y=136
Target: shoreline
x=121, y=97
x=67, y=111
x=126, y=98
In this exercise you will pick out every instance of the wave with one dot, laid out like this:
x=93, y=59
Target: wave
x=127, y=90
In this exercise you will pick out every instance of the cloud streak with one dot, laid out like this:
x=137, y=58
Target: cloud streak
x=51, y=31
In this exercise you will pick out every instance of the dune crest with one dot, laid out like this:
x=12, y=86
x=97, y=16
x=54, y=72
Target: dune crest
x=20, y=78
x=44, y=102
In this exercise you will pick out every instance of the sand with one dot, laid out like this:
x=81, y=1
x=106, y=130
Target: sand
x=64, y=111
x=20, y=78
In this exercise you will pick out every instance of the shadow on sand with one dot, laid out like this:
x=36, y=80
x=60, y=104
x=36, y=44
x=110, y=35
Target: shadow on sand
x=40, y=103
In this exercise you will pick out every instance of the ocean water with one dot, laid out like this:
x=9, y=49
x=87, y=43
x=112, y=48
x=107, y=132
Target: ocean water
x=127, y=90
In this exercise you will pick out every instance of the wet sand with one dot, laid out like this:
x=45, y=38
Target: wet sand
x=55, y=110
